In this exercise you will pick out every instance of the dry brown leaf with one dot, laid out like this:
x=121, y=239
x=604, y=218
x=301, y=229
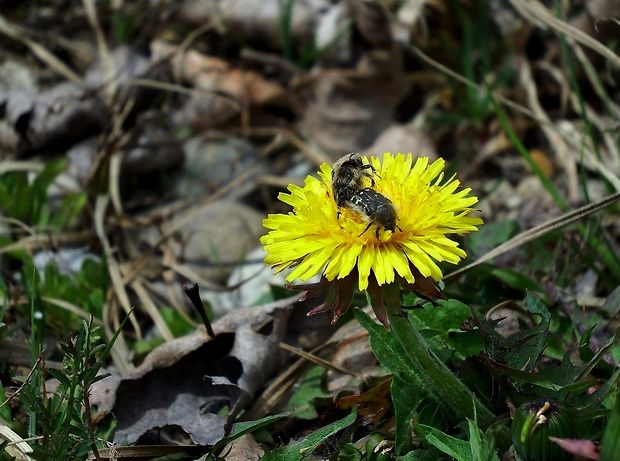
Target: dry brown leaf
x=186, y=382
x=348, y=109
x=349, y=106
x=244, y=448
x=221, y=89
x=257, y=21
x=56, y=117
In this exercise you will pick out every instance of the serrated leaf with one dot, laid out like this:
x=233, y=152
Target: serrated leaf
x=449, y=315
x=526, y=347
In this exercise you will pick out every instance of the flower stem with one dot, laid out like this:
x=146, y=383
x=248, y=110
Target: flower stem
x=437, y=377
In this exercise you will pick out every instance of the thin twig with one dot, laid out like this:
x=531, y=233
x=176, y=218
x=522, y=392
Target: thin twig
x=538, y=231
x=316, y=359
x=9, y=398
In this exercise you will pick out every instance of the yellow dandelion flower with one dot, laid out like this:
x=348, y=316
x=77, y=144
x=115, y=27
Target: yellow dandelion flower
x=318, y=238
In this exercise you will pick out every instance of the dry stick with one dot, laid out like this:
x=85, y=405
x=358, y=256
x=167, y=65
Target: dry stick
x=107, y=63
x=17, y=223
x=70, y=307
x=117, y=281
x=519, y=108
x=316, y=359
x=8, y=166
x=39, y=51
x=279, y=387
x=9, y=398
x=538, y=231
x=561, y=148
x=193, y=293
x=536, y=13
x=175, y=88
x=150, y=307
x=605, y=167
x=45, y=240
x=113, y=267
x=189, y=216
x=465, y=81
x=509, y=103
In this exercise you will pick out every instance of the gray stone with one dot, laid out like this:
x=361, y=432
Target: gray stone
x=254, y=279
x=214, y=241
x=16, y=76
x=211, y=164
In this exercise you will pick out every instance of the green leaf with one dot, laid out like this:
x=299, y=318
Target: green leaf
x=412, y=456
x=301, y=448
x=72, y=205
x=457, y=448
x=491, y=235
x=448, y=316
x=5, y=411
x=482, y=447
x=245, y=427
x=349, y=453
x=445, y=323
x=516, y=279
x=610, y=444
x=525, y=348
x=60, y=376
x=309, y=388
x=406, y=399
x=389, y=351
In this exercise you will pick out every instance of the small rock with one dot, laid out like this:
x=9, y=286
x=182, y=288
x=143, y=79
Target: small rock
x=211, y=164
x=216, y=240
x=154, y=149
x=16, y=76
x=69, y=261
x=405, y=139
x=537, y=204
x=81, y=157
x=255, y=281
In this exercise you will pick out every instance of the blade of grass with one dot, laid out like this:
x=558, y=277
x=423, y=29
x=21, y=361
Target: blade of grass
x=610, y=445
x=538, y=231
x=609, y=257
x=285, y=22
x=539, y=15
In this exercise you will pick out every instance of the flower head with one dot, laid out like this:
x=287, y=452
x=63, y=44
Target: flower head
x=318, y=237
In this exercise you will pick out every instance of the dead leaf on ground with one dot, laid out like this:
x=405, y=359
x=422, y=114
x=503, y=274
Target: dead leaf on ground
x=352, y=353
x=373, y=404
x=257, y=21
x=349, y=107
x=244, y=448
x=222, y=90
x=56, y=117
x=186, y=383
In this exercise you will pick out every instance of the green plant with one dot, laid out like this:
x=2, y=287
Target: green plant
x=62, y=415
x=28, y=201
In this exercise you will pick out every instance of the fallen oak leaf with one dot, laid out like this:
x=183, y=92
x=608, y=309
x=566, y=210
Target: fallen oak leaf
x=189, y=382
